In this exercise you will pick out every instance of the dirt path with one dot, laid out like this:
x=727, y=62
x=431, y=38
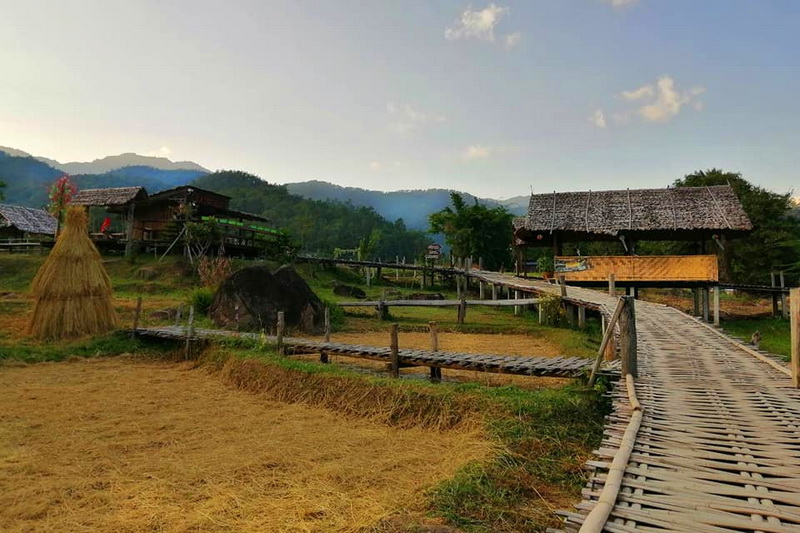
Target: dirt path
x=129, y=445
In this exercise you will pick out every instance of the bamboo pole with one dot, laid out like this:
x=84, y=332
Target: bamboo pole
x=436, y=372
x=627, y=333
x=394, y=368
x=327, y=324
x=716, y=306
x=136, y=316
x=609, y=333
x=280, y=331
x=189, y=333
x=784, y=309
x=795, y=318
x=612, y=287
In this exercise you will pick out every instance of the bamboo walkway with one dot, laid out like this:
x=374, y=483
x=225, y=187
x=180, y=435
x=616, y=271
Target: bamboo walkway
x=501, y=364
x=718, y=445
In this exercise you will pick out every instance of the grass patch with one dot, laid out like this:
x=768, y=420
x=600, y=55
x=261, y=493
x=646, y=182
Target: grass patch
x=30, y=351
x=775, y=333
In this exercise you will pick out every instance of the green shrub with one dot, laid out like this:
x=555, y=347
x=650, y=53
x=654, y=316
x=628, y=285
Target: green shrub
x=337, y=314
x=201, y=298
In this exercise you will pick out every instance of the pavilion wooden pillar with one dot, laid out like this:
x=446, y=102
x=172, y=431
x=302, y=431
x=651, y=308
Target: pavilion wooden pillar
x=129, y=230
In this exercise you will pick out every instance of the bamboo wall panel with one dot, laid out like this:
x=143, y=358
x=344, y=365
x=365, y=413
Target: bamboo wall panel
x=639, y=268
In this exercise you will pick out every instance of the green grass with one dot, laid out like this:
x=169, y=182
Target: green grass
x=775, y=333
x=100, y=346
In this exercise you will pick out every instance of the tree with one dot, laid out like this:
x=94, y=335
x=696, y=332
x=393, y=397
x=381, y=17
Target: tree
x=774, y=243
x=2, y=186
x=475, y=231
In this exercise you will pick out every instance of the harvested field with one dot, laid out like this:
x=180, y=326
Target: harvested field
x=131, y=445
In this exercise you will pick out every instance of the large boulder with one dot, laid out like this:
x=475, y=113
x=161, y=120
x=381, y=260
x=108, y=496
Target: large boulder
x=251, y=298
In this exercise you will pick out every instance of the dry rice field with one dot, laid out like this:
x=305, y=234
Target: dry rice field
x=130, y=445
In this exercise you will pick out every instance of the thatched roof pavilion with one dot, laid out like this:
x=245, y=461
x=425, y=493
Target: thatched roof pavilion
x=111, y=197
x=682, y=213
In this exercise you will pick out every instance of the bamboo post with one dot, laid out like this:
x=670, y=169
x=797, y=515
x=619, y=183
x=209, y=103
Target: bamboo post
x=280, y=331
x=716, y=306
x=795, y=318
x=581, y=317
x=541, y=312
x=696, y=297
x=706, y=298
x=481, y=290
x=517, y=308
x=494, y=291
x=394, y=366
x=436, y=372
x=136, y=316
x=369, y=272
x=458, y=287
x=462, y=311
x=627, y=333
x=612, y=285
x=784, y=309
x=608, y=335
x=327, y=324
x=189, y=333
x=178, y=315
x=562, y=280
x=774, y=294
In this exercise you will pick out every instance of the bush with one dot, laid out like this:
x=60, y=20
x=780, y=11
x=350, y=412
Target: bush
x=337, y=314
x=202, y=298
x=552, y=310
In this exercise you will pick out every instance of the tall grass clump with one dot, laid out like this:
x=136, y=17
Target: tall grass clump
x=72, y=290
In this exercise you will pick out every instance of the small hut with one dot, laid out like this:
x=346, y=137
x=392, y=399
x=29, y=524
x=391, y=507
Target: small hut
x=17, y=222
x=72, y=290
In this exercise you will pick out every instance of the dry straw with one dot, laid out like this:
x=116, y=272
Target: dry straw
x=72, y=290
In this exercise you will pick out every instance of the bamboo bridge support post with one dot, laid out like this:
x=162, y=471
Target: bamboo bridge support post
x=462, y=311
x=137, y=316
x=775, y=296
x=562, y=281
x=612, y=285
x=716, y=305
x=189, y=334
x=696, y=297
x=281, y=326
x=436, y=372
x=394, y=365
x=494, y=291
x=706, y=298
x=795, y=318
x=627, y=333
x=458, y=288
x=541, y=313
x=784, y=309
x=517, y=308
x=581, y=317
x=178, y=315
x=481, y=290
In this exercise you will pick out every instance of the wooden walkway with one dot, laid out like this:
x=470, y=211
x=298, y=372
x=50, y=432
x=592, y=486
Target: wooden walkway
x=501, y=364
x=718, y=446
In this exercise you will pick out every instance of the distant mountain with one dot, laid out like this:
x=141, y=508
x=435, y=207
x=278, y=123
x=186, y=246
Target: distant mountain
x=413, y=207
x=114, y=162
x=28, y=178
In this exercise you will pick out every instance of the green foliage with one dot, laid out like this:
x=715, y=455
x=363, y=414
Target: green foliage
x=201, y=298
x=476, y=231
x=774, y=243
x=102, y=346
x=318, y=227
x=552, y=310
x=2, y=186
x=775, y=333
x=337, y=314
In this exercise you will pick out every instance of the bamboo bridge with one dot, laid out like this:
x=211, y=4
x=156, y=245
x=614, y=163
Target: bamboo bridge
x=706, y=440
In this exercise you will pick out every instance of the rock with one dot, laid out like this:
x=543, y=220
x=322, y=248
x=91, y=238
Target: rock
x=348, y=290
x=251, y=298
x=425, y=296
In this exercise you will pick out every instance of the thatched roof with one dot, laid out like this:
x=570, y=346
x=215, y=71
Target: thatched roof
x=27, y=219
x=109, y=197
x=636, y=210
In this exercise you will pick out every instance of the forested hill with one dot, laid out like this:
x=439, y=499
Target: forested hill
x=319, y=226
x=413, y=206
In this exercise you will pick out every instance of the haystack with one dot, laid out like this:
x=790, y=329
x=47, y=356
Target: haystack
x=72, y=290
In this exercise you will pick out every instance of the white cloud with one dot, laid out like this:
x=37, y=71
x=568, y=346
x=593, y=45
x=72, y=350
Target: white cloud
x=657, y=102
x=480, y=25
x=598, y=118
x=621, y=3
x=636, y=94
x=669, y=101
x=476, y=151
x=163, y=151
x=406, y=118
x=375, y=166
x=512, y=39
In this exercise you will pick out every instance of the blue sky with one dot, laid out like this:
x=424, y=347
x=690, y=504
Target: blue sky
x=492, y=98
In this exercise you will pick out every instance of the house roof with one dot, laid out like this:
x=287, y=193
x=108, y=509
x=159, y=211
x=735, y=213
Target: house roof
x=27, y=219
x=185, y=189
x=109, y=197
x=636, y=210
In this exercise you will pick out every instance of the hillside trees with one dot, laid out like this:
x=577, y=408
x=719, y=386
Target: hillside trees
x=2, y=186
x=318, y=226
x=475, y=231
x=774, y=243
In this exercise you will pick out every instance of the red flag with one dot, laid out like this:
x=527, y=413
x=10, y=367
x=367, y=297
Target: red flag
x=106, y=224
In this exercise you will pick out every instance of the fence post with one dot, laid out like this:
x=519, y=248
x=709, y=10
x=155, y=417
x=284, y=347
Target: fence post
x=517, y=308
x=612, y=285
x=280, y=328
x=494, y=291
x=562, y=280
x=436, y=372
x=137, y=316
x=784, y=309
x=795, y=318
x=481, y=290
x=627, y=333
x=581, y=316
x=462, y=311
x=327, y=324
x=394, y=366
x=716, y=306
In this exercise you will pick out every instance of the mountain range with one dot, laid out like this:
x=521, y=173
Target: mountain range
x=28, y=177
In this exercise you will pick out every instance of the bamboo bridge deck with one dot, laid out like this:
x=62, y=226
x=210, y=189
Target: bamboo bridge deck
x=501, y=364
x=718, y=445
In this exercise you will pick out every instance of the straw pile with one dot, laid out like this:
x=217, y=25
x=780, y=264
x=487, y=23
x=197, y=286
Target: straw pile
x=72, y=290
